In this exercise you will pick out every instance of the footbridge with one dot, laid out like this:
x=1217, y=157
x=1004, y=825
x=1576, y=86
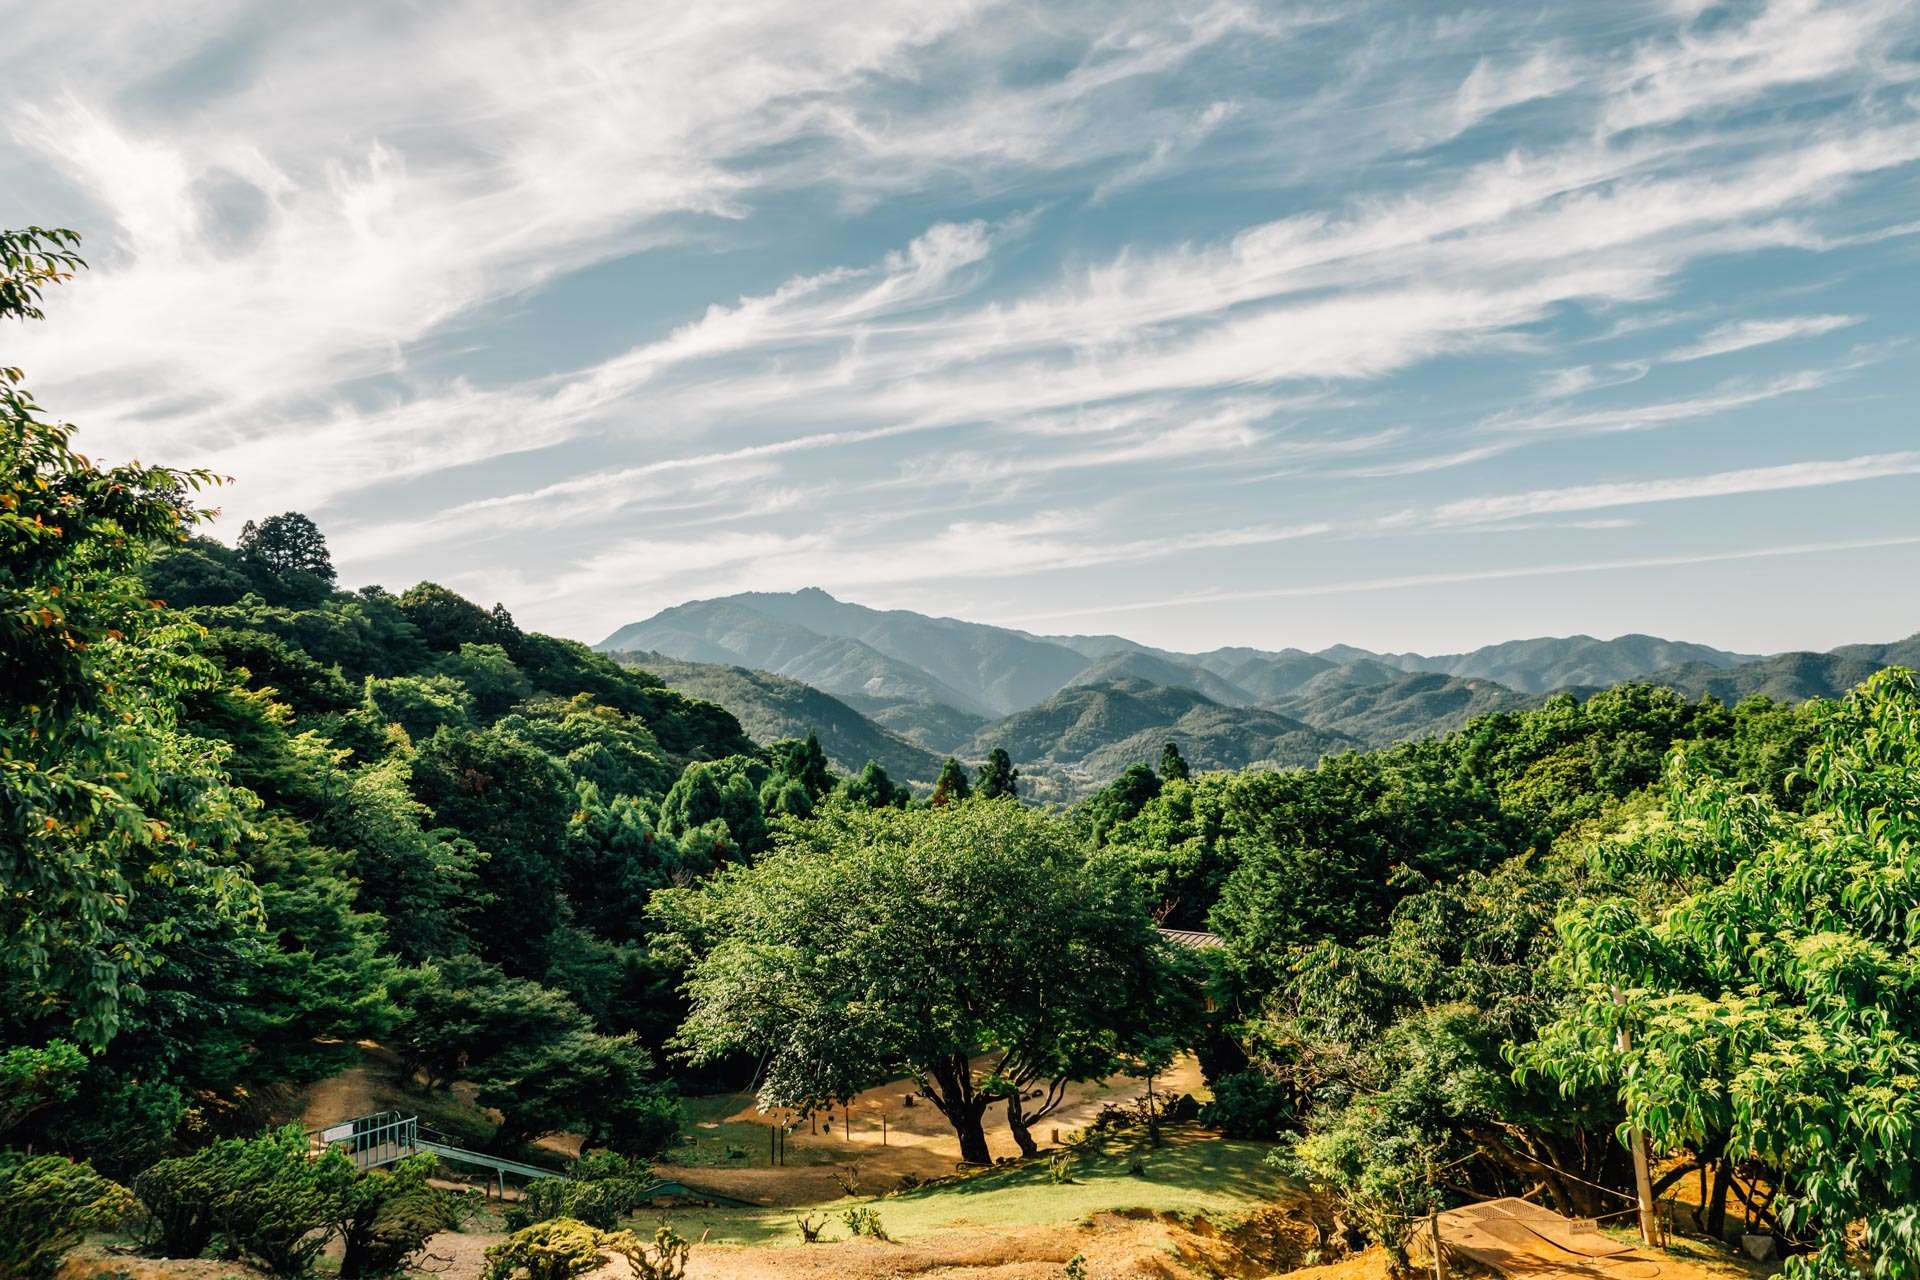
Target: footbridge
x=388, y=1137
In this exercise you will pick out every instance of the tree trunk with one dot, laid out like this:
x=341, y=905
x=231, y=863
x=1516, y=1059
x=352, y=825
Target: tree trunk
x=949, y=1086
x=1017, y=1123
x=1716, y=1217
x=972, y=1134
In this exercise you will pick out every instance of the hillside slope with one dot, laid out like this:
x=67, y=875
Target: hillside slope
x=1553, y=662
x=1168, y=672
x=1412, y=705
x=773, y=707
x=733, y=633
x=1793, y=677
x=1090, y=732
x=993, y=668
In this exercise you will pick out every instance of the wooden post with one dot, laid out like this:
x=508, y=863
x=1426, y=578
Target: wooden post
x=1637, y=1143
x=773, y=1156
x=883, y=1125
x=846, y=1121
x=1433, y=1239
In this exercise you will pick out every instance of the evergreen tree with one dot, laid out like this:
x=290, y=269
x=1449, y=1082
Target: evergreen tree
x=805, y=762
x=1173, y=764
x=874, y=789
x=287, y=544
x=997, y=777
x=951, y=785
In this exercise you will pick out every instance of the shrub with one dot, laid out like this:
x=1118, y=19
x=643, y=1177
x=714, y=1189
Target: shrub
x=47, y=1205
x=665, y=1259
x=1247, y=1104
x=862, y=1221
x=268, y=1197
x=563, y=1248
x=558, y=1249
x=603, y=1187
x=391, y=1216
x=178, y=1195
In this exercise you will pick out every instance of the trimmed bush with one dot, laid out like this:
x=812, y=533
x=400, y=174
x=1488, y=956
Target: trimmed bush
x=558, y=1249
x=269, y=1200
x=602, y=1187
x=391, y=1217
x=47, y=1205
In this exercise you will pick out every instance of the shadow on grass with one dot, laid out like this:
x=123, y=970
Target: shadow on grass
x=1186, y=1159
x=1193, y=1173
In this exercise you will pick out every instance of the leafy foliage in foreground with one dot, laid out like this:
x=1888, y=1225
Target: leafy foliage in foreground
x=1762, y=964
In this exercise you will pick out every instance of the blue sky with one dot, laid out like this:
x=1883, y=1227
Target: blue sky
x=1403, y=325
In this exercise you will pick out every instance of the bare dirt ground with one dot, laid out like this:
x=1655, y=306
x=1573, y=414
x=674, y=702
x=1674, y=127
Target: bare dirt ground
x=1114, y=1247
x=852, y=1143
x=728, y=1153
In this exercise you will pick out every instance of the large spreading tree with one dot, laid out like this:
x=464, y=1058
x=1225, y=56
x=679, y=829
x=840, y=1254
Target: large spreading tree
x=972, y=948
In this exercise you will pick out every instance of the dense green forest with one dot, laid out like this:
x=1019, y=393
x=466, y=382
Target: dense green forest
x=252, y=818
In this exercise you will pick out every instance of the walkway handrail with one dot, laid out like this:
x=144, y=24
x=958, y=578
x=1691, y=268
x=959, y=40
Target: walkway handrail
x=497, y=1163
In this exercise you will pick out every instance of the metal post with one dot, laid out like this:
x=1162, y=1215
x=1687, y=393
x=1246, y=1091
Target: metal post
x=1637, y=1143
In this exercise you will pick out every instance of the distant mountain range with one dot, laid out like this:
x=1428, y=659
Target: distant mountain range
x=907, y=689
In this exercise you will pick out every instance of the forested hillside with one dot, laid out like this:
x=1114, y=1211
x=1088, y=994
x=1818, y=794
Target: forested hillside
x=1086, y=733
x=1537, y=666
x=252, y=818
x=1398, y=707
x=1790, y=677
x=772, y=707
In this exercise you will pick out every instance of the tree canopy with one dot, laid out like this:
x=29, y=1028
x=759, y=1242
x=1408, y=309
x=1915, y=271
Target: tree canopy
x=875, y=942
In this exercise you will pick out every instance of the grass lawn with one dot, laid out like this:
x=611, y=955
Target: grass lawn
x=1192, y=1174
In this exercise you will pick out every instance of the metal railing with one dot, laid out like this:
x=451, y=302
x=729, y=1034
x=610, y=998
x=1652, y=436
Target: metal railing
x=370, y=1141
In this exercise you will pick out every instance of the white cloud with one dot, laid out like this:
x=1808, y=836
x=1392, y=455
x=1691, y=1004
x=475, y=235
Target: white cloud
x=1595, y=497
x=1642, y=417
x=1787, y=43
x=1738, y=335
x=983, y=260
x=1408, y=582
